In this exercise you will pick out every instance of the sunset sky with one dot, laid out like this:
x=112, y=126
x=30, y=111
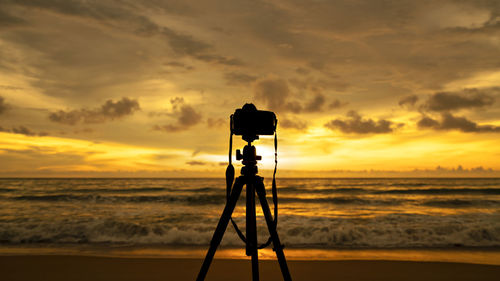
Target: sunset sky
x=145, y=88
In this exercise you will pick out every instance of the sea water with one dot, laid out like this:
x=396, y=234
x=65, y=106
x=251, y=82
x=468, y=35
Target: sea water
x=322, y=215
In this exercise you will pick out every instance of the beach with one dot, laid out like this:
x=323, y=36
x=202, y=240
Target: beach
x=76, y=268
x=332, y=229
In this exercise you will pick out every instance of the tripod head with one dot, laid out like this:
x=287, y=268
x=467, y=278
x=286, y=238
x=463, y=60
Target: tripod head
x=249, y=158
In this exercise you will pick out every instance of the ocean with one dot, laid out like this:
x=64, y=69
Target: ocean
x=154, y=215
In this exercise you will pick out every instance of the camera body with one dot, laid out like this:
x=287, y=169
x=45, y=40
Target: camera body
x=250, y=122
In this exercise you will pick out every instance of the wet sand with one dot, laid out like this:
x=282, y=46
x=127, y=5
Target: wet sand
x=58, y=267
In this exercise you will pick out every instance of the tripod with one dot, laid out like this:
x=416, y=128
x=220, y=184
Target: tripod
x=254, y=184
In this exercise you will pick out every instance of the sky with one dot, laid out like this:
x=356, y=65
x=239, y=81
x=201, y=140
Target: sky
x=146, y=88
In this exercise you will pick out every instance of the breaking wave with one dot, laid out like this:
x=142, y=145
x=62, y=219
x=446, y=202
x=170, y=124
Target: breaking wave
x=379, y=232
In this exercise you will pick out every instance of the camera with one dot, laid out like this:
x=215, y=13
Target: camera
x=250, y=122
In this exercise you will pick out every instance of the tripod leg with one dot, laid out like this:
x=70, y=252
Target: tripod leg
x=221, y=227
x=261, y=192
x=251, y=224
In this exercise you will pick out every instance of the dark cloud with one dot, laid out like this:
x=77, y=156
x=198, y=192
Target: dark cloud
x=11, y=88
x=316, y=104
x=427, y=122
x=83, y=131
x=336, y=104
x=293, y=106
x=186, y=117
x=274, y=92
x=292, y=124
x=107, y=13
x=409, y=101
x=22, y=130
x=450, y=122
x=110, y=110
x=108, y=48
x=196, y=152
x=3, y=105
x=68, y=117
x=317, y=85
x=178, y=65
x=302, y=71
x=357, y=125
x=217, y=122
x=238, y=78
x=468, y=98
x=175, y=64
x=185, y=44
x=8, y=20
x=196, y=163
x=218, y=59
x=118, y=109
x=446, y=102
x=164, y=156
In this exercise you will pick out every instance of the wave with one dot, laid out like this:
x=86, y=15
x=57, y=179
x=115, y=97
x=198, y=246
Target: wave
x=122, y=190
x=202, y=199
x=115, y=190
x=438, y=191
x=388, y=231
x=341, y=201
x=454, y=203
x=220, y=199
x=423, y=191
x=294, y=189
x=197, y=199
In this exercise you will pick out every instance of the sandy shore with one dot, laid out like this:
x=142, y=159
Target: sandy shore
x=54, y=268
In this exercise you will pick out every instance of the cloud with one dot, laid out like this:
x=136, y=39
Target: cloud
x=177, y=64
x=3, y=105
x=196, y=163
x=427, y=122
x=183, y=44
x=22, y=130
x=110, y=110
x=238, y=78
x=357, y=125
x=115, y=43
x=274, y=92
x=218, y=59
x=336, y=104
x=292, y=124
x=409, y=101
x=127, y=17
x=466, y=99
x=7, y=19
x=277, y=96
x=446, y=102
x=316, y=104
x=450, y=122
x=302, y=71
x=216, y=122
x=186, y=117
